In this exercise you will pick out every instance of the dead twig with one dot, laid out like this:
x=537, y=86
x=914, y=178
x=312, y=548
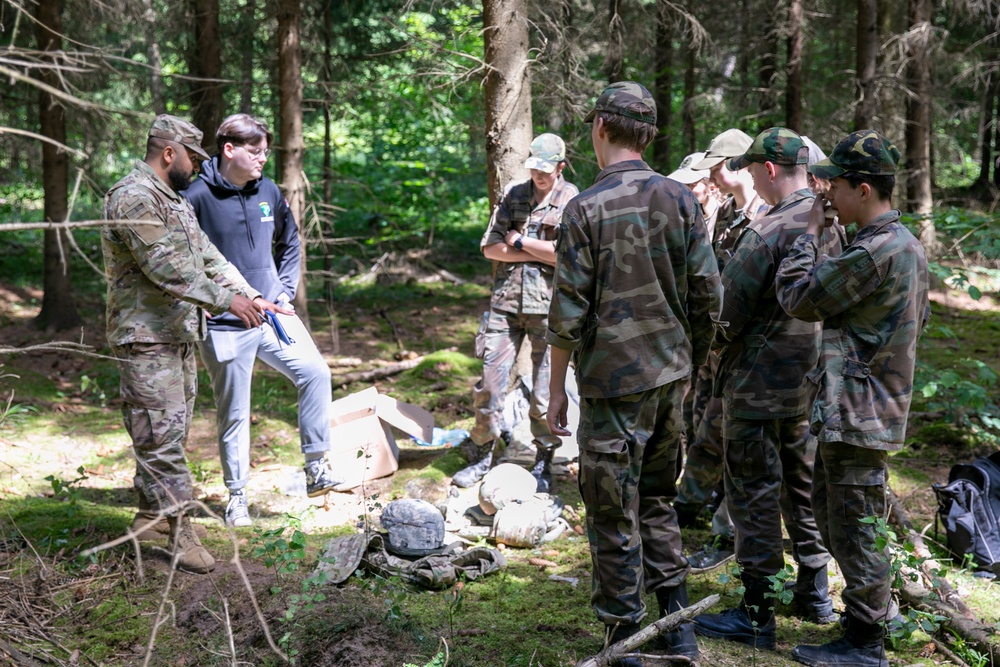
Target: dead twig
x=379, y=373
x=619, y=650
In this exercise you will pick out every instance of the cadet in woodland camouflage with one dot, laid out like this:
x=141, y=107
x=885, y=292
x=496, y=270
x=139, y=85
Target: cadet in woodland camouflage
x=872, y=299
x=765, y=355
x=161, y=280
x=635, y=295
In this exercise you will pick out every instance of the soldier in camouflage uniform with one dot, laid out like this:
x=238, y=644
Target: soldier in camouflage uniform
x=636, y=292
x=872, y=301
x=161, y=280
x=765, y=355
x=520, y=240
x=701, y=481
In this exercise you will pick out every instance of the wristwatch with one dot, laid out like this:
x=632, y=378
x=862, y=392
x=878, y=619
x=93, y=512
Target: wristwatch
x=519, y=243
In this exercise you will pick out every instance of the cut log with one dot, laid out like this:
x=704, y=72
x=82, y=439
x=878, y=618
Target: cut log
x=382, y=372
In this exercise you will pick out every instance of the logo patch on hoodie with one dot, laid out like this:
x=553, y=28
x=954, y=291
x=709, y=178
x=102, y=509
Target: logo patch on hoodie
x=265, y=212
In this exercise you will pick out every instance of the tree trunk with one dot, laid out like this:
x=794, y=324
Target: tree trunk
x=793, y=91
x=690, y=139
x=866, y=45
x=206, y=66
x=918, y=122
x=508, y=93
x=768, y=71
x=58, y=306
x=328, y=281
x=616, y=43
x=292, y=147
x=987, y=125
x=996, y=140
x=155, y=61
x=663, y=91
x=249, y=21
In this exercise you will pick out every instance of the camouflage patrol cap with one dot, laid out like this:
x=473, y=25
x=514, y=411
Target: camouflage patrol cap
x=863, y=152
x=545, y=153
x=729, y=144
x=415, y=527
x=778, y=145
x=620, y=95
x=179, y=131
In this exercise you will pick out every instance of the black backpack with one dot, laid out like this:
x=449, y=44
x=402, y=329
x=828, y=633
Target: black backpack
x=968, y=507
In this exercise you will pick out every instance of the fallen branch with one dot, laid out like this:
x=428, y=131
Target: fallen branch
x=383, y=372
x=619, y=650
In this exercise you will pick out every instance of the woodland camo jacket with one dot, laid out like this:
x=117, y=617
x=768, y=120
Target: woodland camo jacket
x=872, y=299
x=636, y=285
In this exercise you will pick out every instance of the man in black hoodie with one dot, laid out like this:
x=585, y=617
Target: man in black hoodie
x=247, y=218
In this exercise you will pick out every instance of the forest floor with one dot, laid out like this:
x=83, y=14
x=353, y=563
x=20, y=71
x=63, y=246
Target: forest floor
x=66, y=486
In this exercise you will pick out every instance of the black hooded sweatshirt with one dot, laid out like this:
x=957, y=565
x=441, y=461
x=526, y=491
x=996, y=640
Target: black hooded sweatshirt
x=253, y=228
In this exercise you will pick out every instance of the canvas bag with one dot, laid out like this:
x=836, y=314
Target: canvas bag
x=968, y=508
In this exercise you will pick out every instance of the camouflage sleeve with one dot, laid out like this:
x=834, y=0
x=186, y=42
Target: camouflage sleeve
x=813, y=290
x=499, y=224
x=573, y=284
x=704, y=290
x=745, y=278
x=163, y=259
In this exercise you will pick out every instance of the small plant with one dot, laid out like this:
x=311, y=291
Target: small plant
x=94, y=388
x=280, y=554
x=778, y=591
x=454, y=599
x=68, y=492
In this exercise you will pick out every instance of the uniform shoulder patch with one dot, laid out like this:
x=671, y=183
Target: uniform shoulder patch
x=141, y=209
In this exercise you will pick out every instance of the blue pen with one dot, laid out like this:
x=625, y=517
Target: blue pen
x=279, y=330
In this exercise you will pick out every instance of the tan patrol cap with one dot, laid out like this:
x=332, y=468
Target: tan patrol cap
x=726, y=145
x=179, y=131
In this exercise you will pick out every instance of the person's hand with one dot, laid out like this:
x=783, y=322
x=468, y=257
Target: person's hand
x=821, y=215
x=262, y=305
x=557, y=415
x=247, y=311
x=512, y=236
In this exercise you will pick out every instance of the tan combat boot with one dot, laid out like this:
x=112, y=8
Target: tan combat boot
x=148, y=526
x=191, y=556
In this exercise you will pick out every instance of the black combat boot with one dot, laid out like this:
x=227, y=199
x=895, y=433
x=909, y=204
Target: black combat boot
x=751, y=623
x=680, y=640
x=689, y=515
x=811, y=599
x=863, y=645
x=616, y=634
x=482, y=460
x=542, y=470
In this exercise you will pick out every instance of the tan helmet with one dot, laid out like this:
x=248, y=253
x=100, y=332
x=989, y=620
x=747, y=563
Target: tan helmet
x=503, y=485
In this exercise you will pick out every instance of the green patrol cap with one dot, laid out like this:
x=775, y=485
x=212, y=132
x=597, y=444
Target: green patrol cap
x=179, y=131
x=778, y=145
x=863, y=152
x=617, y=97
x=545, y=153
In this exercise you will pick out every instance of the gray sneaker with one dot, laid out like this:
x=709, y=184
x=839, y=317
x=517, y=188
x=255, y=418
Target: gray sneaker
x=319, y=478
x=237, y=511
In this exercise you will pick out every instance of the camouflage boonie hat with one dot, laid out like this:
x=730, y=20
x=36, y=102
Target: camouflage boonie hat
x=415, y=527
x=545, y=153
x=863, y=152
x=778, y=145
x=179, y=131
x=729, y=144
x=622, y=94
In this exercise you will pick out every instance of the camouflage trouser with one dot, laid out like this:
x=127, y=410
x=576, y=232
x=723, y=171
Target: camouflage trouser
x=768, y=475
x=850, y=484
x=158, y=387
x=629, y=460
x=703, y=465
x=697, y=396
x=505, y=332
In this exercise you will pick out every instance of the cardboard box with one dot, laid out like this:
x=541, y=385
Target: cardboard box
x=362, y=446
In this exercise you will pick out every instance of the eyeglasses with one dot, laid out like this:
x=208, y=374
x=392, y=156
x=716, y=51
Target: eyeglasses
x=257, y=153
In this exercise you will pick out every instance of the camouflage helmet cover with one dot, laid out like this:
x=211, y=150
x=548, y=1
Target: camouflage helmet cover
x=862, y=152
x=620, y=96
x=415, y=527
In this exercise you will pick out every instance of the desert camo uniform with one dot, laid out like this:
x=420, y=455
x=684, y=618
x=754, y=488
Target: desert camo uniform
x=636, y=290
x=519, y=311
x=873, y=303
x=161, y=280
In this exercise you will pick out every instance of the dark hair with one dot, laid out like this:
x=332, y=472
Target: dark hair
x=155, y=146
x=882, y=185
x=241, y=129
x=789, y=170
x=623, y=131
